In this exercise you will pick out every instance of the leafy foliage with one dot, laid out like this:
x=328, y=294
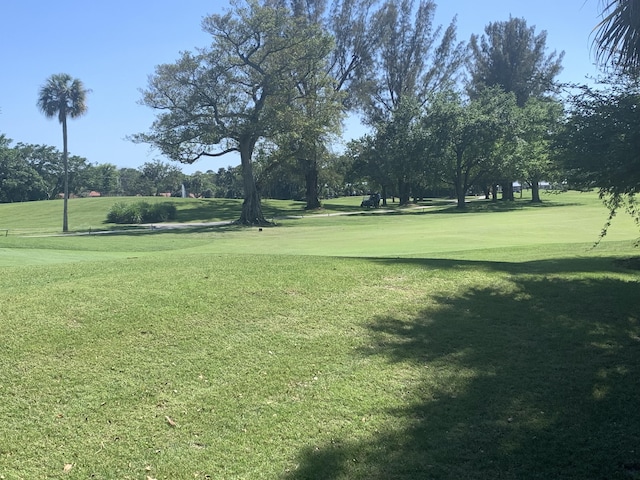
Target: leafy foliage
x=513, y=57
x=618, y=36
x=19, y=181
x=237, y=91
x=414, y=58
x=538, y=123
x=395, y=157
x=601, y=140
x=468, y=136
x=141, y=212
x=63, y=96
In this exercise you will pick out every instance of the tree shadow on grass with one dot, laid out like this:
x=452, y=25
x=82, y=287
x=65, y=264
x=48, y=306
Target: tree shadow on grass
x=488, y=206
x=541, y=381
x=586, y=264
x=204, y=210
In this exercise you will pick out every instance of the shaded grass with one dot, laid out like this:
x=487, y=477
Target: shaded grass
x=307, y=367
x=532, y=378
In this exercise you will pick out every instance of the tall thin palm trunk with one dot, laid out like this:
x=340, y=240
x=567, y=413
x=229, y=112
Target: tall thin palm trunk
x=65, y=160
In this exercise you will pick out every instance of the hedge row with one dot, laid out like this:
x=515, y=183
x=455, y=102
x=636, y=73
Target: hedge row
x=141, y=212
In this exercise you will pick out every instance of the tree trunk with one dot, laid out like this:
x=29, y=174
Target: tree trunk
x=461, y=196
x=507, y=191
x=65, y=160
x=251, y=208
x=403, y=192
x=535, y=191
x=384, y=196
x=311, y=179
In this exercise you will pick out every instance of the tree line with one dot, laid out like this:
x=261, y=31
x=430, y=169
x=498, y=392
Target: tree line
x=445, y=116
x=36, y=172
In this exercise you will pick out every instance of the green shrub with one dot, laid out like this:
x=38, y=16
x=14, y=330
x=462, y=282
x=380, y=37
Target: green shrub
x=160, y=212
x=141, y=212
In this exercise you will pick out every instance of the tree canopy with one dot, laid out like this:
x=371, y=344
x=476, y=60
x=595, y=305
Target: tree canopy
x=601, y=140
x=512, y=56
x=240, y=89
x=414, y=58
x=468, y=135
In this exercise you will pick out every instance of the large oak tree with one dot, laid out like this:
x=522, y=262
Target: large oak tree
x=228, y=96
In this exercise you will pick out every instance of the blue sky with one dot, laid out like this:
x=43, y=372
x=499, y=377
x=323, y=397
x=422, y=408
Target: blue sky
x=113, y=46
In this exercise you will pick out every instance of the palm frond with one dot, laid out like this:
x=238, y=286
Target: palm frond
x=62, y=96
x=617, y=40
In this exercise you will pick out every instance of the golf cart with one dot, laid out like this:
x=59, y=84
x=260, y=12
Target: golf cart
x=372, y=202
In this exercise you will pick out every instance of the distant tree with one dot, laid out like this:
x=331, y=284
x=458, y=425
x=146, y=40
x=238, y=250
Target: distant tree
x=617, y=40
x=366, y=165
x=200, y=182
x=467, y=135
x=47, y=161
x=229, y=183
x=161, y=177
x=319, y=117
x=103, y=178
x=400, y=150
x=278, y=172
x=77, y=167
x=324, y=101
x=334, y=174
x=413, y=59
x=129, y=180
x=228, y=96
x=19, y=182
x=511, y=56
x=539, y=123
x=600, y=141
x=63, y=96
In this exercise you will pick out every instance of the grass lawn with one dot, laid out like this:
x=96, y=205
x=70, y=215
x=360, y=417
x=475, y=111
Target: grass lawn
x=418, y=344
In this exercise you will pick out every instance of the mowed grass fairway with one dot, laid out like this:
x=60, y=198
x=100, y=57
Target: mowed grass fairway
x=414, y=344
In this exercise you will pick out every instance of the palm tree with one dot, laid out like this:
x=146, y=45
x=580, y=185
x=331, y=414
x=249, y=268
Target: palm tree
x=63, y=96
x=618, y=35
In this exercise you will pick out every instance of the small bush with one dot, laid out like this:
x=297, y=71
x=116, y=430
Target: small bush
x=160, y=212
x=141, y=212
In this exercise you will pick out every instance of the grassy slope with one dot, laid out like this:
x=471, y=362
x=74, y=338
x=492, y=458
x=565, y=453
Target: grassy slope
x=474, y=345
x=425, y=231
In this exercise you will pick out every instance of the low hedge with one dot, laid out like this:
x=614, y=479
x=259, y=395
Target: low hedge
x=141, y=212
